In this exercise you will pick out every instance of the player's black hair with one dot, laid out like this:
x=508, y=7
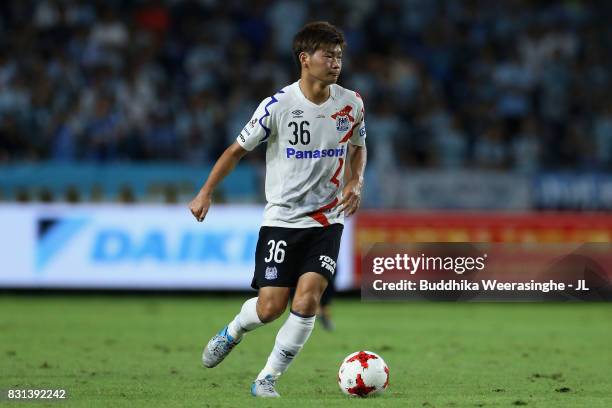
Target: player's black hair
x=315, y=35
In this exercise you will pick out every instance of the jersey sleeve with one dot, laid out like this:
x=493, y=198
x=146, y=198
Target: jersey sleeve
x=259, y=127
x=359, y=132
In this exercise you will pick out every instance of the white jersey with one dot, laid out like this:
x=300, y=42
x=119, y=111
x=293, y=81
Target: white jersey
x=306, y=153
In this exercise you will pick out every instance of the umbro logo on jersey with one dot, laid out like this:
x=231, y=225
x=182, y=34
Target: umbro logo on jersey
x=297, y=113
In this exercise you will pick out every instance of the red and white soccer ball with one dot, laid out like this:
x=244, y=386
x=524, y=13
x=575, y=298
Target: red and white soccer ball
x=362, y=374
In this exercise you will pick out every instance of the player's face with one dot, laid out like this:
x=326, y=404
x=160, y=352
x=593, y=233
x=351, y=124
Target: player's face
x=325, y=64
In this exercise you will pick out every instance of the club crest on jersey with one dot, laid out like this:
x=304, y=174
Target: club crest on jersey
x=271, y=273
x=343, y=118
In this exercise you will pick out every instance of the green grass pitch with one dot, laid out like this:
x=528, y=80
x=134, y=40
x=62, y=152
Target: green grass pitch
x=145, y=351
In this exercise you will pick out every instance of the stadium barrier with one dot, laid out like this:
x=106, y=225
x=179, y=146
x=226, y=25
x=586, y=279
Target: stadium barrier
x=121, y=182
x=134, y=247
x=569, y=190
x=163, y=247
x=409, y=190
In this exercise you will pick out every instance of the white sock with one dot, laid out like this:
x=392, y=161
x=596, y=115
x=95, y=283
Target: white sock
x=246, y=320
x=289, y=341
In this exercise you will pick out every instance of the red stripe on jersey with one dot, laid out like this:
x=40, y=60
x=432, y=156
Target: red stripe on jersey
x=334, y=178
x=348, y=135
x=346, y=111
x=318, y=215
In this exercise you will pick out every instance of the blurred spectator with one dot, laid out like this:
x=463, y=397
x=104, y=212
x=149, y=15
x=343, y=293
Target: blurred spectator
x=491, y=151
x=451, y=143
x=526, y=147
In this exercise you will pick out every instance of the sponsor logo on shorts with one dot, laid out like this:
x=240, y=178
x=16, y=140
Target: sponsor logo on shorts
x=271, y=273
x=328, y=263
x=362, y=132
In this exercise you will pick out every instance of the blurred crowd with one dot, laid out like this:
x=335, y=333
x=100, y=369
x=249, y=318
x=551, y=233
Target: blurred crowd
x=511, y=85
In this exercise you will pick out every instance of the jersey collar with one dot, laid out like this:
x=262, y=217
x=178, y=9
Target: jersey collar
x=309, y=102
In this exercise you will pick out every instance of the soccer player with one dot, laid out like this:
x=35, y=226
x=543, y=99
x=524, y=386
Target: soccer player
x=313, y=128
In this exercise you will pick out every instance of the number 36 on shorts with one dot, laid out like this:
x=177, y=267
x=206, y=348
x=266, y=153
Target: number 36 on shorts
x=276, y=251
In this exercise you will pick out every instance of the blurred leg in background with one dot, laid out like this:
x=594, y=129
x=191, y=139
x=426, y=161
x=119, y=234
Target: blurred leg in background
x=324, y=312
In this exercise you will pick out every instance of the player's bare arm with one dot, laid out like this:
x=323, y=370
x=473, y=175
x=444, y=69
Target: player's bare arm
x=200, y=205
x=351, y=194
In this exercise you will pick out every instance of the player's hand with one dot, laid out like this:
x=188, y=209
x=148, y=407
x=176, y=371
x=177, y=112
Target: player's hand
x=200, y=205
x=351, y=197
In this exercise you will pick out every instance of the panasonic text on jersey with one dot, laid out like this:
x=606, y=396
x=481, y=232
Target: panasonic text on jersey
x=314, y=154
